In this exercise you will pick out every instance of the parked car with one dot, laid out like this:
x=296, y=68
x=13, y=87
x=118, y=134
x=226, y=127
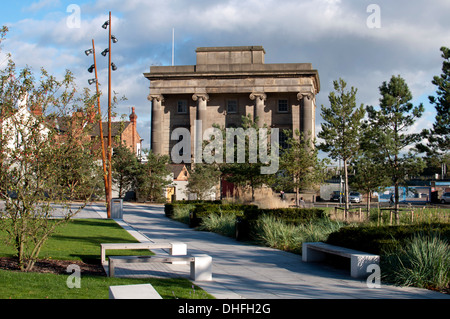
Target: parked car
x=445, y=198
x=355, y=197
x=335, y=196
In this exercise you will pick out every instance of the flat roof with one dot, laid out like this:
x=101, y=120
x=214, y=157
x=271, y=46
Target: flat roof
x=229, y=49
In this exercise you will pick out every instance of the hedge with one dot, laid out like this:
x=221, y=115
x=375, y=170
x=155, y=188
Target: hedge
x=247, y=213
x=376, y=240
x=202, y=210
x=295, y=216
x=170, y=207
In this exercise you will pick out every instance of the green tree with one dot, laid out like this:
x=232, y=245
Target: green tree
x=300, y=167
x=247, y=173
x=438, y=146
x=341, y=129
x=153, y=177
x=392, y=122
x=43, y=162
x=203, y=179
x=370, y=173
x=125, y=167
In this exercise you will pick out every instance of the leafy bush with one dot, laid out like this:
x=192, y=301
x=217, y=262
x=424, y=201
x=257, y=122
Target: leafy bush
x=169, y=208
x=224, y=224
x=296, y=216
x=204, y=210
x=276, y=233
x=424, y=261
x=376, y=240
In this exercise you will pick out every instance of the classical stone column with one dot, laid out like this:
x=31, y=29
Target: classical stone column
x=202, y=99
x=157, y=119
x=259, y=107
x=201, y=124
x=306, y=114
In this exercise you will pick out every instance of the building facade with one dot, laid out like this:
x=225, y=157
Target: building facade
x=123, y=132
x=225, y=84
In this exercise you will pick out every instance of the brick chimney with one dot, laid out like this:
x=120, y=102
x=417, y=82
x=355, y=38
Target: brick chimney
x=133, y=119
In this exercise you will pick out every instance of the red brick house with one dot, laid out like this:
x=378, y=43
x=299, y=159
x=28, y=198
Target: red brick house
x=124, y=132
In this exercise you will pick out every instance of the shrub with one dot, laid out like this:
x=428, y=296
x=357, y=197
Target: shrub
x=295, y=216
x=276, y=233
x=224, y=224
x=204, y=210
x=375, y=240
x=424, y=261
x=170, y=207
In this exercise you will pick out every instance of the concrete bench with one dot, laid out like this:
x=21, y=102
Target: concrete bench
x=145, y=291
x=175, y=248
x=201, y=265
x=359, y=261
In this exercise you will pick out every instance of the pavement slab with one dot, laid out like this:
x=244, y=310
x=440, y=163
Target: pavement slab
x=245, y=271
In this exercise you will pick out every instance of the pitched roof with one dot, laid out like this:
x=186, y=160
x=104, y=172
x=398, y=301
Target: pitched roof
x=116, y=128
x=176, y=169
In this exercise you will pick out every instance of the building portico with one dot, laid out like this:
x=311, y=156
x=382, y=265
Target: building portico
x=226, y=84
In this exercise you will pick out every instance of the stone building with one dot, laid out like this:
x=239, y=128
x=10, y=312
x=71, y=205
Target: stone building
x=225, y=84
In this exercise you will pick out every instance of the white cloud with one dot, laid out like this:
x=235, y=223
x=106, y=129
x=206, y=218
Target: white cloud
x=42, y=4
x=330, y=34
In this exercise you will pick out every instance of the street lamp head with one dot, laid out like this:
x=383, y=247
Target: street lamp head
x=90, y=81
x=113, y=66
x=87, y=52
x=114, y=39
x=91, y=68
x=105, y=52
x=105, y=25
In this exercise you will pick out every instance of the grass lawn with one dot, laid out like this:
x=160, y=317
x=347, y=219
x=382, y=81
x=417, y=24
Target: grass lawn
x=18, y=285
x=79, y=240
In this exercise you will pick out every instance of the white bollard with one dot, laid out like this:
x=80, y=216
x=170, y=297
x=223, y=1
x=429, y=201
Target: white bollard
x=201, y=268
x=178, y=249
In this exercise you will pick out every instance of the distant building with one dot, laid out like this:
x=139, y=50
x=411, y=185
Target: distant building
x=179, y=176
x=123, y=131
x=18, y=126
x=225, y=84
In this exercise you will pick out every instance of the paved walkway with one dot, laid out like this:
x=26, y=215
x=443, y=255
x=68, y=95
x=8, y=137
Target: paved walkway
x=245, y=271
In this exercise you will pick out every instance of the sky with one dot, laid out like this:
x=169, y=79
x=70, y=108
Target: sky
x=363, y=42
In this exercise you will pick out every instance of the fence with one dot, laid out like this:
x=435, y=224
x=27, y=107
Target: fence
x=408, y=214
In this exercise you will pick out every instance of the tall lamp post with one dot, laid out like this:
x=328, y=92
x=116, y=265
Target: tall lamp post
x=107, y=163
x=91, y=81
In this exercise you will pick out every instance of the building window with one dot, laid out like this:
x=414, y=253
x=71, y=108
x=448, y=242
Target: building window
x=182, y=107
x=283, y=106
x=232, y=106
x=284, y=137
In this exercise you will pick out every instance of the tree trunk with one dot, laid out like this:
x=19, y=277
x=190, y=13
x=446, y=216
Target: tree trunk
x=20, y=253
x=396, y=204
x=369, y=195
x=346, y=207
